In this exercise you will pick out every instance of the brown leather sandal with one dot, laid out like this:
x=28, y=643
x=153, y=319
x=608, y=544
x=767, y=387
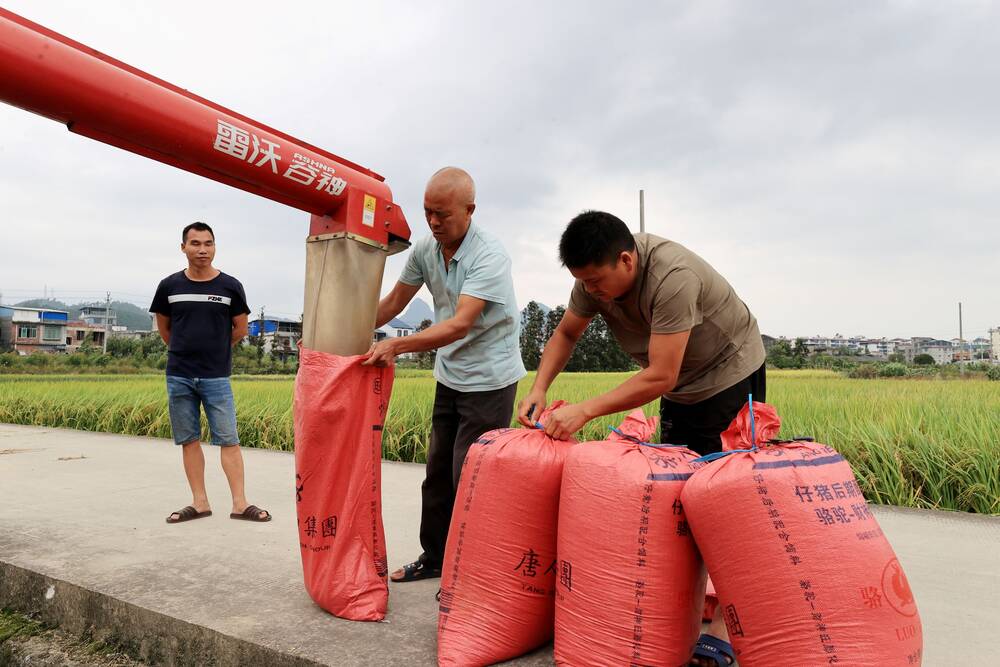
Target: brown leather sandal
x=189, y=513
x=252, y=513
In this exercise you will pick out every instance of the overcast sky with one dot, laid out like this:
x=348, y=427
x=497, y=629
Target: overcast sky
x=837, y=162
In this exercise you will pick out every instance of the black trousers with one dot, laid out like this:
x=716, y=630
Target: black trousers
x=699, y=425
x=459, y=418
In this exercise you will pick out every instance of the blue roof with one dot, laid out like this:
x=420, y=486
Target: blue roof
x=397, y=323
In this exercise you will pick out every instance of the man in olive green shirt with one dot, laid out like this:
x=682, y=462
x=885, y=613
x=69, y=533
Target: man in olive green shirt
x=698, y=344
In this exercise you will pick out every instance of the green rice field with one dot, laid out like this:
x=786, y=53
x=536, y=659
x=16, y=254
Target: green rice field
x=918, y=443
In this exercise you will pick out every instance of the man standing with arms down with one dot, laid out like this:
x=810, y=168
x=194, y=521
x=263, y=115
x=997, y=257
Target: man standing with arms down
x=698, y=344
x=201, y=313
x=476, y=337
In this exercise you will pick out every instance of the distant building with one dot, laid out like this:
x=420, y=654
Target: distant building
x=942, y=351
x=101, y=316
x=835, y=343
x=979, y=348
x=131, y=334
x=280, y=335
x=28, y=330
x=995, y=343
x=79, y=333
x=878, y=347
x=395, y=328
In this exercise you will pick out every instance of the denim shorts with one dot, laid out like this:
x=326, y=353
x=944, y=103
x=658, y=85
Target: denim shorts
x=185, y=395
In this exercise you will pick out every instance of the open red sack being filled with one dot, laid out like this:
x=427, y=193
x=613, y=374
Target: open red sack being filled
x=499, y=573
x=339, y=409
x=803, y=572
x=631, y=582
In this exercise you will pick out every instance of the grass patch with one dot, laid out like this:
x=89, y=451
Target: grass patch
x=14, y=625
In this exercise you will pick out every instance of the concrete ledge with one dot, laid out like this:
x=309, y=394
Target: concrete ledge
x=153, y=637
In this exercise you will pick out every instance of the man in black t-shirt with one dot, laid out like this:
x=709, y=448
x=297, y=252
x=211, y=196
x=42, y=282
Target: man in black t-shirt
x=201, y=314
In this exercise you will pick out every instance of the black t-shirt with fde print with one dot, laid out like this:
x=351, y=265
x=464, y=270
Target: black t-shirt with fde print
x=201, y=323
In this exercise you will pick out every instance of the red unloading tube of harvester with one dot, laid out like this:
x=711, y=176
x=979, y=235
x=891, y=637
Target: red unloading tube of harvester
x=99, y=97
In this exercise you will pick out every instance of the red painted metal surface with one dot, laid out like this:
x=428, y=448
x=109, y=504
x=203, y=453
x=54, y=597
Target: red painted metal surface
x=102, y=98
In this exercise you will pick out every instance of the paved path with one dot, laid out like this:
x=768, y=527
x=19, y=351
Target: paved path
x=83, y=538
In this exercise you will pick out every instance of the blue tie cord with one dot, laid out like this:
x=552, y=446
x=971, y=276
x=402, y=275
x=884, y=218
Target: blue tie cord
x=753, y=441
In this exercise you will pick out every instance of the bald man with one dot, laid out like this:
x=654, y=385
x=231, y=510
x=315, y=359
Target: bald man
x=476, y=336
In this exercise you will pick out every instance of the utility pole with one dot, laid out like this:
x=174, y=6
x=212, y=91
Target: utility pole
x=961, y=341
x=107, y=321
x=260, y=334
x=642, y=211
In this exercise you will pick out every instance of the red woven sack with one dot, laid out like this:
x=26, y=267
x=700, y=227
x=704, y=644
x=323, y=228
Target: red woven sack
x=803, y=571
x=338, y=413
x=631, y=581
x=498, y=579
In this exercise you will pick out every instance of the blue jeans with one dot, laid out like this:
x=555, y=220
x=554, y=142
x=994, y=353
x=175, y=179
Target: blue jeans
x=186, y=395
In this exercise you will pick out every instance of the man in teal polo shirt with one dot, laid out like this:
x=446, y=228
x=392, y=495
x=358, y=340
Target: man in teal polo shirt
x=476, y=337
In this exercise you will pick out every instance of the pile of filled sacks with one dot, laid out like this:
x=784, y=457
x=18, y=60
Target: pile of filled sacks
x=604, y=547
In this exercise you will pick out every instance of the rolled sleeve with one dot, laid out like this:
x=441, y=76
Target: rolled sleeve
x=677, y=303
x=582, y=304
x=488, y=278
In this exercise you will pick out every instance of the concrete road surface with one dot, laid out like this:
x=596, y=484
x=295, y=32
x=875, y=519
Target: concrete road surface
x=83, y=540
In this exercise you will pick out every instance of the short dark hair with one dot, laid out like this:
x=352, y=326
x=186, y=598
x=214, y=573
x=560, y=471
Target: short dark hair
x=594, y=237
x=198, y=227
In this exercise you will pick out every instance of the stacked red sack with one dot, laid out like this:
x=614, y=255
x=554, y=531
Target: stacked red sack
x=631, y=581
x=498, y=578
x=803, y=571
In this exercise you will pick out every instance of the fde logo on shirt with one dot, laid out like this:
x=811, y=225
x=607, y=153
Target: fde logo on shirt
x=215, y=298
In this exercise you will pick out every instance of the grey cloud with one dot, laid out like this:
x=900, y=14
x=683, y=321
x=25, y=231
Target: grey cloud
x=837, y=161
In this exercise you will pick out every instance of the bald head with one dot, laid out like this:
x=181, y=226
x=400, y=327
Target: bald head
x=449, y=200
x=455, y=182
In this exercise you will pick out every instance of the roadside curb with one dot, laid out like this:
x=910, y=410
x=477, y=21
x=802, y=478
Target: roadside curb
x=139, y=632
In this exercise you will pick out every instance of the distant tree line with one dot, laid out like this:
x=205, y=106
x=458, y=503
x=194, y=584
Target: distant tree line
x=597, y=350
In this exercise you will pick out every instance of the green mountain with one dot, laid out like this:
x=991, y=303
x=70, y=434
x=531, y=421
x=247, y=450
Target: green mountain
x=129, y=314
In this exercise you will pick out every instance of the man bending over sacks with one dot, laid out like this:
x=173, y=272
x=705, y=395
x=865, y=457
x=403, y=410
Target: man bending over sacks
x=698, y=344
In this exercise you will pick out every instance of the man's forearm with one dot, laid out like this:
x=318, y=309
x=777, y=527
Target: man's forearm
x=643, y=387
x=431, y=338
x=387, y=309
x=554, y=357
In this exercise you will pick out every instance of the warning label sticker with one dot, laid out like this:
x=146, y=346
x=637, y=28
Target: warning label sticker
x=369, y=216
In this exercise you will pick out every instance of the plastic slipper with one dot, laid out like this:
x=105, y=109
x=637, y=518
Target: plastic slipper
x=251, y=513
x=715, y=649
x=189, y=513
x=415, y=571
